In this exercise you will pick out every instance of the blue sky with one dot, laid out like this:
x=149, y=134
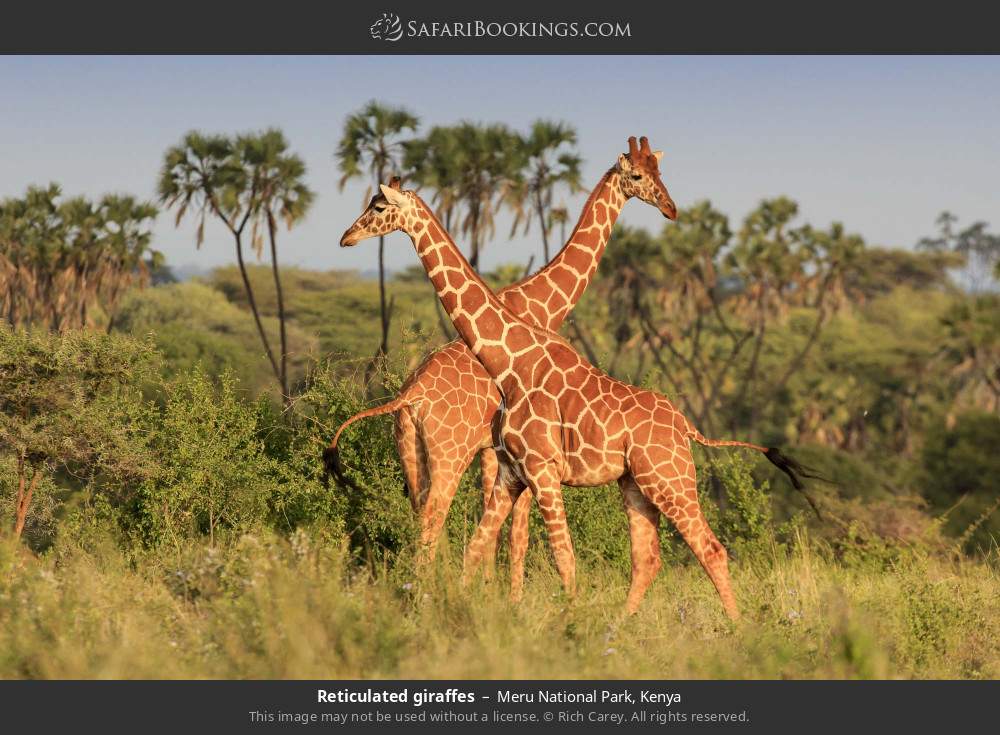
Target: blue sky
x=882, y=144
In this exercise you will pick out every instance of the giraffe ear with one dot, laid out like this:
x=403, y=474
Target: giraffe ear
x=658, y=155
x=624, y=165
x=393, y=196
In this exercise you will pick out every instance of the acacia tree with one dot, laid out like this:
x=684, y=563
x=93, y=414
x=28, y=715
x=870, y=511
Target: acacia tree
x=68, y=402
x=550, y=162
x=665, y=299
x=372, y=144
x=769, y=261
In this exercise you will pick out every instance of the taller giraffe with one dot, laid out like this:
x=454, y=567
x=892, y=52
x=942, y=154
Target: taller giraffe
x=561, y=420
x=443, y=412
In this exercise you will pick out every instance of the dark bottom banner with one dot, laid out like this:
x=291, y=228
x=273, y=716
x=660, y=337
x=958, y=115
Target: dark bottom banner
x=355, y=706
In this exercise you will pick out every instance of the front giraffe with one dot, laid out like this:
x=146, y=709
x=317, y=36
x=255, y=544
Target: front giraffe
x=443, y=411
x=561, y=420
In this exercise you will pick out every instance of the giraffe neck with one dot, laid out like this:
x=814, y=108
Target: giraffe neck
x=548, y=296
x=480, y=317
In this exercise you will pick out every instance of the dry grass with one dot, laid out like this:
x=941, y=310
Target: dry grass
x=271, y=608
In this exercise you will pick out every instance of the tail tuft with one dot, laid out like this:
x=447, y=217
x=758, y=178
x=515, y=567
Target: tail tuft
x=332, y=466
x=796, y=472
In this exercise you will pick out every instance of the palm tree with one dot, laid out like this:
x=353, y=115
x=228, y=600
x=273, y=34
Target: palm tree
x=371, y=143
x=473, y=170
x=489, y=164
x=59, y=257
x=550, y=162
x=559, y=216
x=33, y=235
x=129, y=259
x=434, y=161
x=281, y=194
x=209, y=173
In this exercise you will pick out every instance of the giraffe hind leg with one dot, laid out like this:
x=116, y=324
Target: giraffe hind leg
x=412, y=457
x=666, y=477
x=644, y=536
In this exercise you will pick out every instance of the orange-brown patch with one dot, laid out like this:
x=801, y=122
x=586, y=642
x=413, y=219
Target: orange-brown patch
x=490, y=325
x=518, y=338
x=472, y=300
x=564, y=279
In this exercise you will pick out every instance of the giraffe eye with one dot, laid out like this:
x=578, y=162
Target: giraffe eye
x=636, y=177
x=379, y=207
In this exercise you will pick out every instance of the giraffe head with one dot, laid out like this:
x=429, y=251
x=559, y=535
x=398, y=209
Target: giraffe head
x=639, y=174
x=385, y=213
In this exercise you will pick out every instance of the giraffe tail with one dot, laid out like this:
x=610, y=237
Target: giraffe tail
x=795, y=471
x=331, y=455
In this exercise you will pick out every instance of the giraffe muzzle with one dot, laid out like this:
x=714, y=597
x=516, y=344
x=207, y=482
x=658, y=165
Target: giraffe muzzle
x=668, y=208
x=351, y=237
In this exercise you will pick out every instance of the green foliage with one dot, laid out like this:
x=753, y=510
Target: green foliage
x=192, y=324
x=961, y=474
x=337, y=309
x=69, y=403
x=203, y=526
x=214, y=476
x=379, y=519
x=746, y=523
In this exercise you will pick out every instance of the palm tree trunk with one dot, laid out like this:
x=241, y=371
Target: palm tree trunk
x=540, y=208
x=383, y=307
x=253, y=307
x=474, y=231
x=283, y=377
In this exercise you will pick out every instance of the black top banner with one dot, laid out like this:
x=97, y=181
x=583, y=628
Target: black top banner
x=450, y=27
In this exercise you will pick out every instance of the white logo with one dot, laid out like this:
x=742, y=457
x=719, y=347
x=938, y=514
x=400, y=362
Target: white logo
x=387, y=28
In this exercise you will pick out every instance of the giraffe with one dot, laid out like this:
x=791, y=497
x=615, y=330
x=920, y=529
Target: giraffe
x=563, y=421
x=443, y=411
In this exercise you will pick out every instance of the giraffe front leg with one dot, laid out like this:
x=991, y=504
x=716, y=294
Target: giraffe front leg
x=644, y=537
x=519, y=544
x=490, y=467
x=497, y=510
x=548, y=493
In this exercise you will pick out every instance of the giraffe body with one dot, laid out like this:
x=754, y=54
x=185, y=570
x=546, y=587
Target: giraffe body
x=443, y=413
x=561, y=420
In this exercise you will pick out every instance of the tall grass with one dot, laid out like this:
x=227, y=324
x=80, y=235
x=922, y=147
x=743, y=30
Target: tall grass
x=299, y=607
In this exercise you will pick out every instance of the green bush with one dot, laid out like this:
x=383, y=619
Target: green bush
x=961, y=475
